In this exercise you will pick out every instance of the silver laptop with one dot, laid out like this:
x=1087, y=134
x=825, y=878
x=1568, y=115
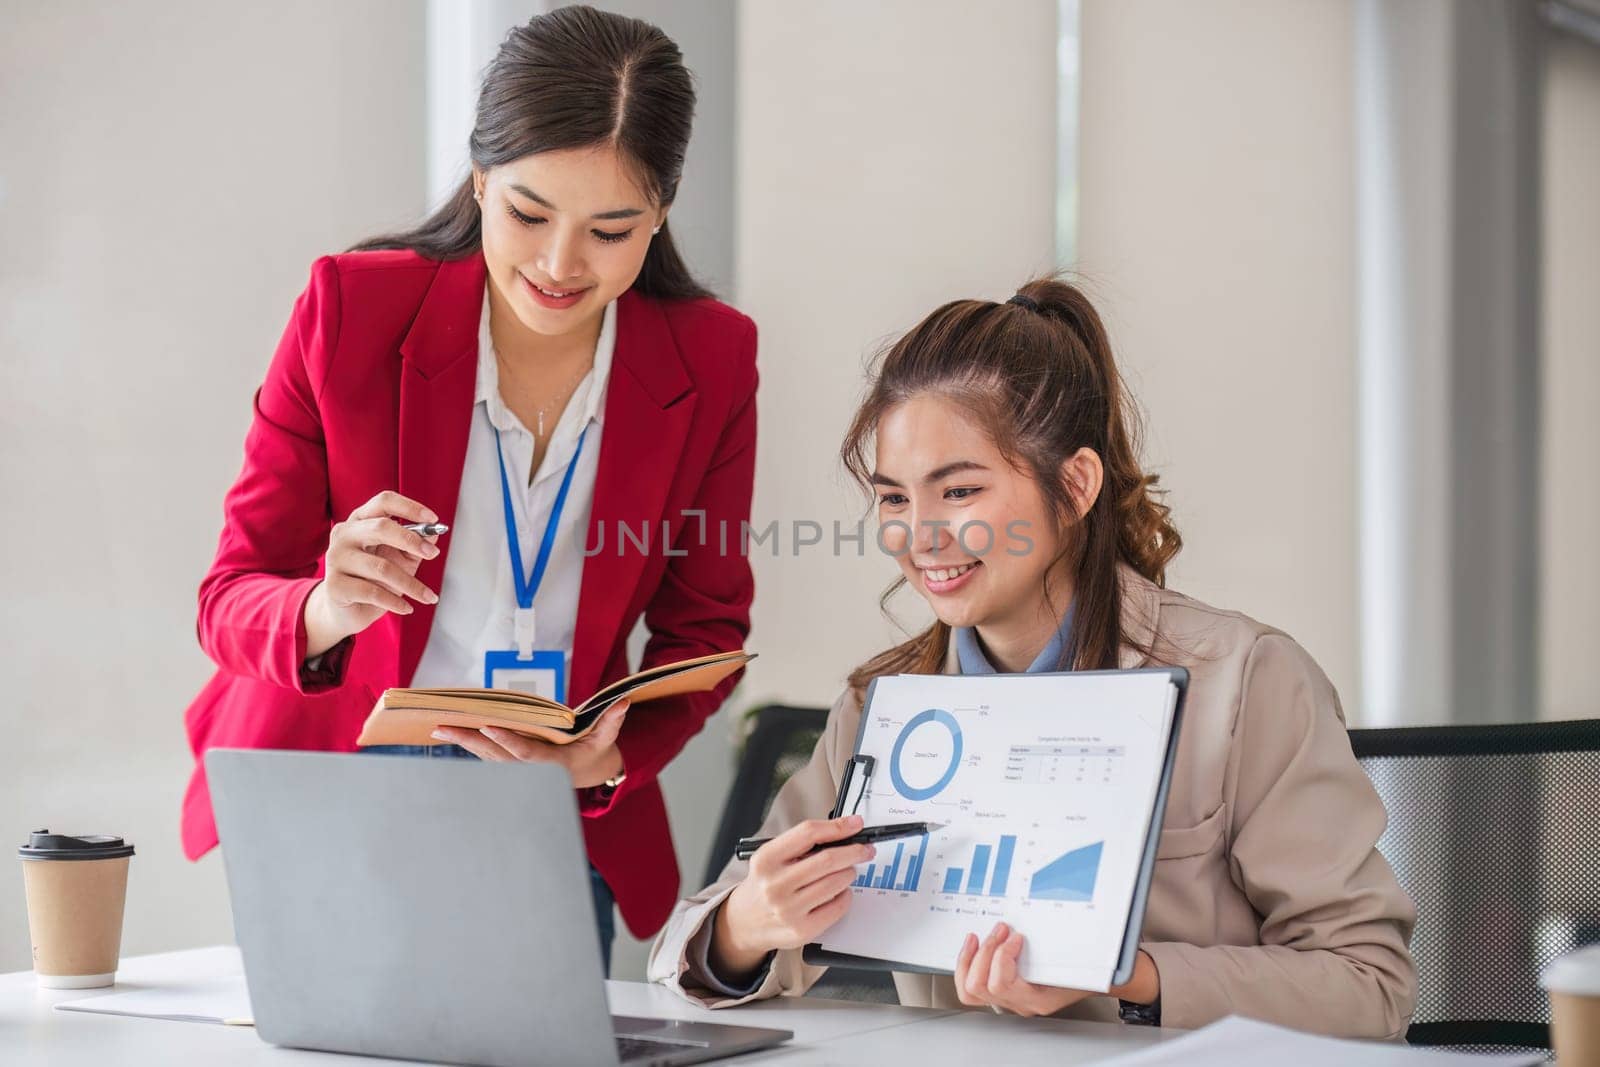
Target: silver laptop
x=428, y=910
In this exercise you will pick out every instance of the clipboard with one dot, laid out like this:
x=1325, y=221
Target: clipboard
x=860, y=769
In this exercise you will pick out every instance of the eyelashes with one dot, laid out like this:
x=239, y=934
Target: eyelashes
x=603, y=236
x=965, y=492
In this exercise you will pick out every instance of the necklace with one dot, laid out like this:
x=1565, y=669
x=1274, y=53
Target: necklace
x=556, y=398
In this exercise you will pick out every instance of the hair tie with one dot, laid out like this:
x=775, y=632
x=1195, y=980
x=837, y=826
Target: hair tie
x=1024, y=301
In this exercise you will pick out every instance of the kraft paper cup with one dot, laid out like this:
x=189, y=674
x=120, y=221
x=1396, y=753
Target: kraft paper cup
x=76, y=888
x=1573, y=982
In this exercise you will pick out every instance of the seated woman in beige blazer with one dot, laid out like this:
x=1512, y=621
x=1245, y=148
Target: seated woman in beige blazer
x=1269, y=897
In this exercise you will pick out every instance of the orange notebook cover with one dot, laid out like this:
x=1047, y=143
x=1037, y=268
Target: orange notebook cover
x=409, y=716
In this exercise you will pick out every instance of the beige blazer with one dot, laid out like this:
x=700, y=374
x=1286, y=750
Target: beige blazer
x=1269, y=897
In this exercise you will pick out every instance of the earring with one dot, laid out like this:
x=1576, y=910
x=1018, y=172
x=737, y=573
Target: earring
x=477, y=194
x=656, y=230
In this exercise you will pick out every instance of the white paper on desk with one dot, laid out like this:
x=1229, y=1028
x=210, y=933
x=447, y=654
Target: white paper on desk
x=210, y=1000
x=1237, y=1042
x=1046, y=784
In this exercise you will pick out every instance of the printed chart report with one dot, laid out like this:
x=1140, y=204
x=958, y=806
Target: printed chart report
x=1046, y=784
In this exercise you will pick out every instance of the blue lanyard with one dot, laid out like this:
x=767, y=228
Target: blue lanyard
x=526, y=587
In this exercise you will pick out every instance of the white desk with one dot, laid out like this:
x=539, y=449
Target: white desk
x=826, y=1031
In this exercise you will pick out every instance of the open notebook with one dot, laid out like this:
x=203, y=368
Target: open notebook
x=409, y=716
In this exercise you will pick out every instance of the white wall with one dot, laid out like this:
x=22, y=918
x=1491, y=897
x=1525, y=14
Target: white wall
x=893, y=156
x=167, y=173
x=1569, y=621
x=1218, y=235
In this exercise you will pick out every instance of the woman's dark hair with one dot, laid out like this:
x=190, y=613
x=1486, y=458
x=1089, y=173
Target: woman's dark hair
x=1038, y=375
x=577, y=78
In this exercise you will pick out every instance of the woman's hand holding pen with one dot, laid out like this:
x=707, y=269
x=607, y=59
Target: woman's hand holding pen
x=790, y=895
x=986, y=976
x=371, y=569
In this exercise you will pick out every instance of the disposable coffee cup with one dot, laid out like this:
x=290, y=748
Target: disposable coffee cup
x=1573, y=982
x=76, y=888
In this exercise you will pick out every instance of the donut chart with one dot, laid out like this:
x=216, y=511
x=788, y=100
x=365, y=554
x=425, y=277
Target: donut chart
x=941, y=718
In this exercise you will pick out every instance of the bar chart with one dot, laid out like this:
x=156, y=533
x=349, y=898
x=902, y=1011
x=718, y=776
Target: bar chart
x=876, y=877
x=971, y=879
x=1070, y=876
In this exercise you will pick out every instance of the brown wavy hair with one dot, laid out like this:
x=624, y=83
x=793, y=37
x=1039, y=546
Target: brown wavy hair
x=1037, y=374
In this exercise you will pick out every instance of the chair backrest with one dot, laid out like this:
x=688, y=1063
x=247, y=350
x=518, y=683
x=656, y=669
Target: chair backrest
x=780, y=744
x=1495, y=833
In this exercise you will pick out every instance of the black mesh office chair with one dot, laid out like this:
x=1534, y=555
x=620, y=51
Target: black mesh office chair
x=779, y=744
x=1495, y=833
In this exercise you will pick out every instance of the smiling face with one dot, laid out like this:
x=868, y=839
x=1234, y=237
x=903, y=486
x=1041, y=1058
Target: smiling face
x=973, y=534
x=564, y=234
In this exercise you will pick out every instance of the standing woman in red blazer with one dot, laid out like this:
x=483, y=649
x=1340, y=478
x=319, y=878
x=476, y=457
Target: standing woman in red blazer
x=535, y=367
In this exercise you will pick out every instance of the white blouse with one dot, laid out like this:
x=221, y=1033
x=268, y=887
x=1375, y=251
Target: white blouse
x=477, y=596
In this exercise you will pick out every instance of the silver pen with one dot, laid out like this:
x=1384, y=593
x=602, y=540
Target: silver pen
x=428, y=529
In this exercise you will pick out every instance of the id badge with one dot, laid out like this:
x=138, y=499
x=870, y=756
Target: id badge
x=543, y=673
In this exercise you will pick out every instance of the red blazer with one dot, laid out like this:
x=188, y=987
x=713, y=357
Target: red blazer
x=371, y=388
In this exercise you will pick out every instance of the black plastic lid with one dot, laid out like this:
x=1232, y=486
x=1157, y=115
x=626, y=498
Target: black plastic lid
x=44, y=845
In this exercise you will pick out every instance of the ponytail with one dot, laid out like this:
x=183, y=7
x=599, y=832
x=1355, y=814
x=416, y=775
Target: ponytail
x=1146, y=537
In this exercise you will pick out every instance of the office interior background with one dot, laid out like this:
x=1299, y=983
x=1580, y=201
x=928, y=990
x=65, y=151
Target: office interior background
x=1349, y=252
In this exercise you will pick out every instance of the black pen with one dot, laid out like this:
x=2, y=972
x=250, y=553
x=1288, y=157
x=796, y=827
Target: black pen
x=870, y=835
